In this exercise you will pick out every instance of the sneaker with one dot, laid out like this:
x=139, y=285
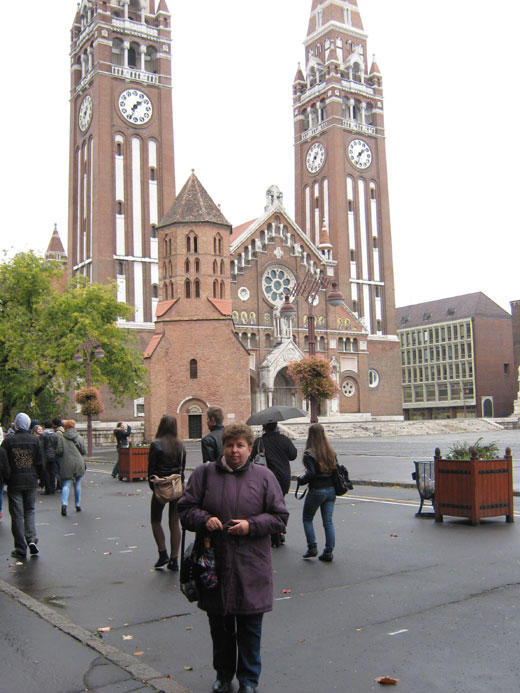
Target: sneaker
x=64, y=510
x=173, y=564
x=33, y=549
x=17, y=554
x=326, y=556
x=163, y=559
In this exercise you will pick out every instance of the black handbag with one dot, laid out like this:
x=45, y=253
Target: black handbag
x=191, y=569
x=341, y=480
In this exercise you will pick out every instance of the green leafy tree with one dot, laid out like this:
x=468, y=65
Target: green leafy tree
x=312, y=374
x=43, y=320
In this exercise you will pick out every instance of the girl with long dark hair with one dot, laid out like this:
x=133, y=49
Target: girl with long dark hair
x=167, y=456
x=320, y=461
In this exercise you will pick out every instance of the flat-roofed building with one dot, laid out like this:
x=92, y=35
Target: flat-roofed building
x=456, y=358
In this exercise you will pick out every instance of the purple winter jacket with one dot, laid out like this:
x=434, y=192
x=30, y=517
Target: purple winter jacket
x=243, y=563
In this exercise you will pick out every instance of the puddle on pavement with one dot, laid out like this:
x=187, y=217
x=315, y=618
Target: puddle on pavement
x=55, y=601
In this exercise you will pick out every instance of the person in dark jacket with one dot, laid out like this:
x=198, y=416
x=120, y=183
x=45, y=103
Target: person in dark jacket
x=241, y=506
x=71, y=448
x=4, y=475
x=279, y=451
x=167, y=456
x=25, y=468
x=320, y=461
x=211, y=444
x=122, y=434
x=49, y=442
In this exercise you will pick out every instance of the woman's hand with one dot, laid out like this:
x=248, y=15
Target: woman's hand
x=240, y=527
x=213, y=524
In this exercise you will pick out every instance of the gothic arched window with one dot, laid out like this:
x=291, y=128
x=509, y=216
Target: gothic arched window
x=215, y=289
x=187, y=266
x=197, y=288
x=222, y=290
x=193, y=369
x=150, y=60
x=188, y=244
x=222, y=267
x=197, y=266
x=133, y=53
x=187, y=288
x=215, y=267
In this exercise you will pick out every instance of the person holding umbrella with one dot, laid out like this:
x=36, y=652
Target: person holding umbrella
x=279, y=450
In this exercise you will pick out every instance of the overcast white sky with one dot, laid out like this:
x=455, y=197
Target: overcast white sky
x=451, y=101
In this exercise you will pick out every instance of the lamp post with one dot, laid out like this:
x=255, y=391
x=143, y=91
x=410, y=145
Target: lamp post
x=86, y=347
x=308, y=289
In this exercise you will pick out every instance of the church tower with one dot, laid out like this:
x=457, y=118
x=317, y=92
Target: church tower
x=121, y=178
x=341, y=176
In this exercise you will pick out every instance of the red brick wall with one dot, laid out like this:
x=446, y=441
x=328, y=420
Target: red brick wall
x=493, y=344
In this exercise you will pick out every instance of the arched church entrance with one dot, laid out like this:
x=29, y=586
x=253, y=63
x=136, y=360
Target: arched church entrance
x=285, y=391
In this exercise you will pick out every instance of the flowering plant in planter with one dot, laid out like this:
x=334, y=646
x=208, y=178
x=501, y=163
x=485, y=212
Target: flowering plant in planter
x=89, y=398
x=313, y=376
x=478, y=451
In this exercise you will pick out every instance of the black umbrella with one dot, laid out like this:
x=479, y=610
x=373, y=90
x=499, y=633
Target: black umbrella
x=273, y=414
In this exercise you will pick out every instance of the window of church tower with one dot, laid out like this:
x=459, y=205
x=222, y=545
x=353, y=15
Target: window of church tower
x=172, y=295
x=322, y=111
x=195, y=244
x=155, y=291
x=170, y=272
x=193, y=369
x=188, y=244
x=215, y=267
x=187, y=288
x=117, y=52
x=170, y=246
x=267, y=341
x=252, y=342
x=164, y=271
x=153, y=174
x=313, y=116
x=133, y=53
x=368, y=114
x=222, y=267
x=356, y=72
x=165, y=291
x=187, y=266
x=306, y=122
x=119, y=207
x=197, y=266
x=150, y=60
x=222, y=290
x=215, y=289
x=154, y=231
x=197, y=288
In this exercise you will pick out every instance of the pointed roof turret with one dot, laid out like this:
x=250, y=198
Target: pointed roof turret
x=55, y=249
x=374, y=68
x=299, y=78
x=193, y=205
x=324, y=236
x=163, y=7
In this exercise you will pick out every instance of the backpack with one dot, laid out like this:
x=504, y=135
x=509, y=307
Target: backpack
x=341, y=480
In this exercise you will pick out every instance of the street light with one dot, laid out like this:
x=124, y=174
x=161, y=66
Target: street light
x=308, y=289
x=87, y=347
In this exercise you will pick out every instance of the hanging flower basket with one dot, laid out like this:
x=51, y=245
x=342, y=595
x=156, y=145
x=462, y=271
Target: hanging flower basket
x=313, y=377
x=89, y=399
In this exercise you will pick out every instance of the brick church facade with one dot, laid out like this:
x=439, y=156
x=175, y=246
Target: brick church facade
x=207, y=296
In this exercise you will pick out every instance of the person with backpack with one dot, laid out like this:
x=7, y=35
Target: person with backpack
x=320, y=461
x=49, y=441
x=279, y=451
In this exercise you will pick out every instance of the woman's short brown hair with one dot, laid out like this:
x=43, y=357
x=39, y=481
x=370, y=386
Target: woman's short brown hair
x=238, y=430
x=70, y=423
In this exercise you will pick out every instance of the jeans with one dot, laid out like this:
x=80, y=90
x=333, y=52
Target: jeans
x=65, y=490
x=323, y=498
x=23, y=525
x=232, y=633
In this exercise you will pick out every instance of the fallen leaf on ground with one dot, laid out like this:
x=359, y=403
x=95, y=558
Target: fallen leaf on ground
x=386, y=680
x=105, y=629
x=107, y=553
x=286, y=591
x=138, y=654
x=189, y=628
x=132, y=547
x=394, y=535
x=188, y=668
x=128, y=637
x=301, y=640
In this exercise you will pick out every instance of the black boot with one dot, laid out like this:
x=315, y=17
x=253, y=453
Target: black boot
x=312, y=552
x=326, y=556
x=173, y=564
x=163, y=559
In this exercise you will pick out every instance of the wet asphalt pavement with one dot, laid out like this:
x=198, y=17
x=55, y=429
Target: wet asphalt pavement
x=433, y=605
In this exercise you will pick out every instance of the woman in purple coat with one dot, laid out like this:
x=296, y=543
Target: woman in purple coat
x=239, y=508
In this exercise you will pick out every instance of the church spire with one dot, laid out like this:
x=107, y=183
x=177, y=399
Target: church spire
x=341, y=12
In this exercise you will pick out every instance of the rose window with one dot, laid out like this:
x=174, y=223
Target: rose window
x=277, y=282
x=348, y=387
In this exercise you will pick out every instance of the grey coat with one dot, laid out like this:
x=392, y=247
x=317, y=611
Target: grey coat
x=71, y=449
x=243, y=562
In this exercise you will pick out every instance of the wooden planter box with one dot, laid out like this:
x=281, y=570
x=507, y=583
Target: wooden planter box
x=474, y=488
x=133, y=463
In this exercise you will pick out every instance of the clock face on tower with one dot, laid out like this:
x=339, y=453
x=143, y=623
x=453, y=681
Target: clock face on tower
x=315, y=157
x=360, y=154
x=135, y=106
x=85, y=113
